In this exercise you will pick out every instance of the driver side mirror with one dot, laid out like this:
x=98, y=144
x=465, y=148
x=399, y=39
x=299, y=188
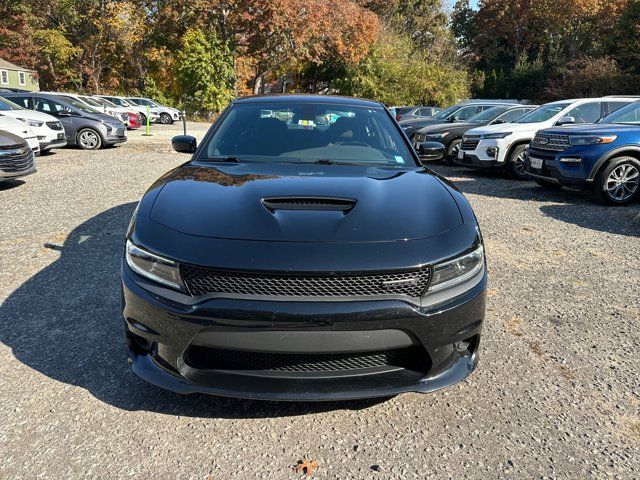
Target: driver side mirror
x=453, y=119
x=184, y=143
x=567, y=121
x=497, y=122
x=64, y=113
x=430, y=152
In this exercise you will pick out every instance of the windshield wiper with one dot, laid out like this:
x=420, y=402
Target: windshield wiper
x=222, y=158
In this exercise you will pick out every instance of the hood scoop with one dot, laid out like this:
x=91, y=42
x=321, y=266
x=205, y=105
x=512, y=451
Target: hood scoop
x=323, y=204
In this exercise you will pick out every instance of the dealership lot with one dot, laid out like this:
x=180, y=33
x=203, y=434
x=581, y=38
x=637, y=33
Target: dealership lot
x=556, y=394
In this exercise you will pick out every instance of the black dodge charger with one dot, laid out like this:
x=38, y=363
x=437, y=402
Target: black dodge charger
x=303, y=253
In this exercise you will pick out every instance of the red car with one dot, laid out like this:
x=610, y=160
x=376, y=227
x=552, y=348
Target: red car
x=135, y=121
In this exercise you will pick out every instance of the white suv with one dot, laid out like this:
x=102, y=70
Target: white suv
x=48, y=130
x=502, y=146
x=167, y=115
x=123, y=102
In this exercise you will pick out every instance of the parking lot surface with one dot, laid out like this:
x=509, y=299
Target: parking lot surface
x=556, y=394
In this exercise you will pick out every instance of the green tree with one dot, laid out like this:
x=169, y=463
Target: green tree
x=205, y=71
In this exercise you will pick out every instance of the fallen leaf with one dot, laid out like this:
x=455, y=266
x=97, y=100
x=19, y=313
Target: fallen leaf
x=306, y=466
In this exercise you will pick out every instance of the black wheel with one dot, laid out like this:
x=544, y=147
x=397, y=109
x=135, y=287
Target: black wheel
x=166, y=119
x=515, y=164
x=547, y=184
x=143, y=119
x=619, y=182
x=452, y=151
x=89, y=139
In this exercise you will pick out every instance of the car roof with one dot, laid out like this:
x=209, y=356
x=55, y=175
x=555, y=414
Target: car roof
x=308, y=98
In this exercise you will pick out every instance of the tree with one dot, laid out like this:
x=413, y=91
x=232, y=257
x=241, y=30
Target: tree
x=205, y=71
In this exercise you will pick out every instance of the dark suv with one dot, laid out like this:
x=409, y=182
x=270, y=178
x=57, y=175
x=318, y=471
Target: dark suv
x=604, y=157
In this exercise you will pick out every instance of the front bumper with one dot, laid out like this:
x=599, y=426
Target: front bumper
x=116, y=136
x=555, y=171
x=480, y=156
x=163, y=335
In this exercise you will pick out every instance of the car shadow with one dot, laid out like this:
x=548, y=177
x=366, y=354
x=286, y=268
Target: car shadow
x=566, y=205
x=65, y=322
x=9, y=184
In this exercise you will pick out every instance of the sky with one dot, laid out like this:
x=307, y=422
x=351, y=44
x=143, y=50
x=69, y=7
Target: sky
x=472, y=3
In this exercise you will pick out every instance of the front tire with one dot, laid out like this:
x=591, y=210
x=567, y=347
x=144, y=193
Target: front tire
x=166, y=119
x=143, y=120
x=452, y=151
x=515, y=164
x=619, y=182
x=89, y=139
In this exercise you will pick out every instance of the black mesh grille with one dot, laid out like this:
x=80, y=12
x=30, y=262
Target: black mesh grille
x=412, y=358
x=552, y=142
x=470, y=142
x=16, y=159
x=202, y=281
x=308, y=203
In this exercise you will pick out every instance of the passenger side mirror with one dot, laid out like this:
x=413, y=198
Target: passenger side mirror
x=184, y=143
x=567, y=121
x=430, y=151
x=497, y=121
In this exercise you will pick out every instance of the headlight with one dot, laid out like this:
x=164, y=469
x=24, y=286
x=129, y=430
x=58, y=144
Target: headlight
x=591, y=139
x=154, y=267
x=437, y=136
x=455, y=277
x=420, y=137
x=489, y=136
x=31, y=123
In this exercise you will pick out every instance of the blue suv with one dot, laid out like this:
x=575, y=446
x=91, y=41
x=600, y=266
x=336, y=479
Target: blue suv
x=604, y=156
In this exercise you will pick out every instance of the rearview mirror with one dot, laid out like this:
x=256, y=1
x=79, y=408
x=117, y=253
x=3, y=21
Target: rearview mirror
x=184, y=143
x=430, y=151
x=566, y=121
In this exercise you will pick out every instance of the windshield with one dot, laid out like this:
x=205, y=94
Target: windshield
x=308, y=133
x=626, y=115
x=104, y=101
x=487, y=115
x=446, y=113
x=92, y=102
x=119, y=101
x=78, y=105
x=543, y=113
x=6, y=105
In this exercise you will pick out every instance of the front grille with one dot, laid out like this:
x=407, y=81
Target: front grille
x=412, y=358
x=13, y=160
x=470, y=142
x=54, y=125
x=551, y=142
x=203, y=281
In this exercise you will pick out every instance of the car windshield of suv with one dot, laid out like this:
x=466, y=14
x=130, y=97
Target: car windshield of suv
x=104, y=102
x=92, y=102
x=487, y=115
x=443, y=115
x=321, y=133
x=119, y=101
x=629, y=115
x=78, y=105
x=543, y=113
x=6, y=105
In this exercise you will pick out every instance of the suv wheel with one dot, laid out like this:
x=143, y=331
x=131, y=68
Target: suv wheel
x=89, y=139
x=452, y=151
x=166, y=119
x=619, y=182
x=515, y=164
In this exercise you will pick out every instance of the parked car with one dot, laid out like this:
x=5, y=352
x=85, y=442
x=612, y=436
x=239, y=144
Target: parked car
x=413, y=113
x=134, y=120
x=123, y=102
x=92, y=104
x=47, y=128
x=20, y=129
x=604, y=157
x=16, y=157
x=166, y=115
x=450, y=134
x=502, y=146
x=259, y=269
x=455, y=114
x=84, y=127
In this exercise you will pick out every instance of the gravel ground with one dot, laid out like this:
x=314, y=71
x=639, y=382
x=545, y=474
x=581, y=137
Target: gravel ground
x=556, y=394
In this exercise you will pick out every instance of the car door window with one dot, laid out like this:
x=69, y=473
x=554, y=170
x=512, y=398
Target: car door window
x=424, y=112
x=586, y=113
x=22, y=101
x=467, y=112
x=49, y=106
x=613, y=106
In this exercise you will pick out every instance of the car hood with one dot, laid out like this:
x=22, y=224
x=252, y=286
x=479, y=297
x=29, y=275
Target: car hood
x=8, y=139
x=30, y=115
x=448, y=127
x=228, y=202
x=593, y=128
x=508, y=127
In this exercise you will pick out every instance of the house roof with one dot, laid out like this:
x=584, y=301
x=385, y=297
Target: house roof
x=13, y=66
